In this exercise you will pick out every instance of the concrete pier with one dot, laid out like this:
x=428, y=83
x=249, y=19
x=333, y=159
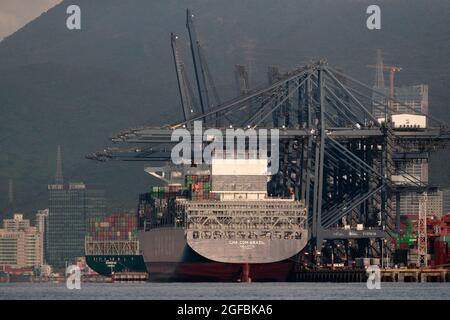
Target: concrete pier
x=415, y=275
x=360, y=275
x=130, y=276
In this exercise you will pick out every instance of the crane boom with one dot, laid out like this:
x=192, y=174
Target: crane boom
x=209, y=78
x=196, y=59
x=186, y=95
x=181, y=79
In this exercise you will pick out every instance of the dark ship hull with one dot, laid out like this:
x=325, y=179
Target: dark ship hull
x=168, y=257
x=106, y=265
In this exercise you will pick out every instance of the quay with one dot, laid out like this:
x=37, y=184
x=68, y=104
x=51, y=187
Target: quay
x=130, y=277
x=360, y=275
x=415, y=275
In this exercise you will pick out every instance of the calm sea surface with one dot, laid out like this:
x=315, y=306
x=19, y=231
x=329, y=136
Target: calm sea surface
x=252, y=291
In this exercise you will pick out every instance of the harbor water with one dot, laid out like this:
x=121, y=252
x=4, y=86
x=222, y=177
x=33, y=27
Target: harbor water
x=226, y=291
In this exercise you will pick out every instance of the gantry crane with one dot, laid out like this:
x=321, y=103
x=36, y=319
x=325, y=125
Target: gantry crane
x=334, y=154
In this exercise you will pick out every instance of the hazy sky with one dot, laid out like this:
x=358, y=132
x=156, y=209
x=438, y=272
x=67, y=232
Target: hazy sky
x=14, y=14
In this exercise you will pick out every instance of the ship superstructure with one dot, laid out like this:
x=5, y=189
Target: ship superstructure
x=242, y=224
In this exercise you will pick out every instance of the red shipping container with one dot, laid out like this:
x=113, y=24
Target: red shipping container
x=440, y=252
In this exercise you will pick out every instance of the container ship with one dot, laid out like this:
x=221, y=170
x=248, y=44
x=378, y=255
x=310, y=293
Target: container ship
x=111, y=245
x=217, y=223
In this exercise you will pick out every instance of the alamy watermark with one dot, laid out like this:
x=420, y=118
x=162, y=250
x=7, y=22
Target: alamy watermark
x=373, y=277
x=237, y=144
x=374, y=20
x=73, y=22
x=73, y=280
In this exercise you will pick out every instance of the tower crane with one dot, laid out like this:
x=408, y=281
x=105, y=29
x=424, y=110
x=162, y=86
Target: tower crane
x=392, y=71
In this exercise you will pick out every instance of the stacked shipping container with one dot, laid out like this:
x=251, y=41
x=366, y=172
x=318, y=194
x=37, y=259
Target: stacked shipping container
x=116, y=227
x=406, y=238
x=438, y=235
x=158, y=207
x=199, y=186
x=440, y=252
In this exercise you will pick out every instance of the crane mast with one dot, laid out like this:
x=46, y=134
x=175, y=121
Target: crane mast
x=422, y=244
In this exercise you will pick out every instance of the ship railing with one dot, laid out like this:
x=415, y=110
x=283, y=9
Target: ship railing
x=114, y=247
x=205, y=234
x=256, y=214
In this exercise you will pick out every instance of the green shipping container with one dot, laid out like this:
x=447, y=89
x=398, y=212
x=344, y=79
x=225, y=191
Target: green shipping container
x=445, y=239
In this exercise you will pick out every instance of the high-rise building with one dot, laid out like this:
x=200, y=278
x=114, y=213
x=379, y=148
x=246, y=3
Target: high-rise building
x=408, y=99
x=69, y=209
x=20, y=243
x=41, y=225
x=70, y=206
x=446, y=201
x=17, y=223
x=41, y=220
x=414, y=100
x=435, y=204
x=9, y=208
x=411, y=99
x=410, y=203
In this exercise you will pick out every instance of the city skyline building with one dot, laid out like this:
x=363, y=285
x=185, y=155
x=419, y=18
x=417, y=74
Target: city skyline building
x=41, y=225
x=21, y=245
x=408, y=100
x=446, y=201
x=70, y=207
x=410, y=203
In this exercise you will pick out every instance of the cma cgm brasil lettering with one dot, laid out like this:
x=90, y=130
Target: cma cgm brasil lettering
x=217, y=223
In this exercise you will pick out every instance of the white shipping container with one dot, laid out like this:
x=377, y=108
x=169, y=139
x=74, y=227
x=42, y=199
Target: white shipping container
x=240, y=167
x=412, y=121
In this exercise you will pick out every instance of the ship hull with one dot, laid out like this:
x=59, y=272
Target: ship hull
x=168, y=257
x=217, y=272
x=105, y=265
